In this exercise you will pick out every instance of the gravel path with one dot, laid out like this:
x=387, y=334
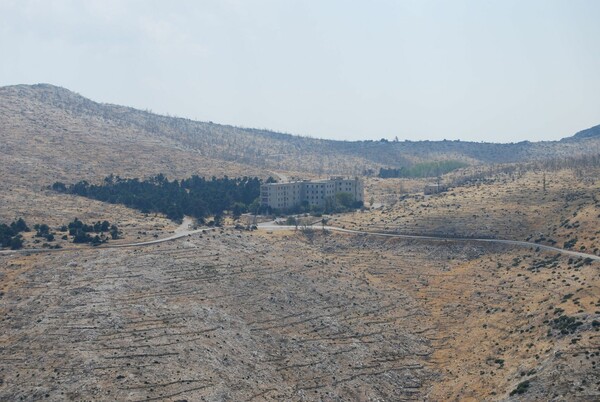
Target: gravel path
x=184, y=230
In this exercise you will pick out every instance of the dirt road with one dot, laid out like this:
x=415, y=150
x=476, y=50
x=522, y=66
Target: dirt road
x=184, y=230
x=273, y=226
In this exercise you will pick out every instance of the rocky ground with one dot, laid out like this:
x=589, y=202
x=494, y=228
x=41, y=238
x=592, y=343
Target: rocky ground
x=519, y=207
x=231, y=315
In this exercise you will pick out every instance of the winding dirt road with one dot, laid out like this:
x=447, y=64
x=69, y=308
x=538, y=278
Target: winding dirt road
x=184, y=230
x=274, y=226
x=181, y=231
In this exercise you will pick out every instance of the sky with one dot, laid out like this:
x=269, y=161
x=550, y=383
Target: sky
x=476, y=70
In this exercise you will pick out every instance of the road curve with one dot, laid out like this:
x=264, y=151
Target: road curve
x=183, y=231
x=273, y=226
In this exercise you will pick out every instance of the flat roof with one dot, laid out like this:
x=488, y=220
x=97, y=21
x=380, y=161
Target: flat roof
x=319, y=181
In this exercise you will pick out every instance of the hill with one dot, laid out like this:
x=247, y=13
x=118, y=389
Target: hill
x=229, y=314
x=39, y=121
x=592, y=132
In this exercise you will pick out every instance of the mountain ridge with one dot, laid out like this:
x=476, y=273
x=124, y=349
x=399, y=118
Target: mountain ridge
x=262, y=148
x=67, y=93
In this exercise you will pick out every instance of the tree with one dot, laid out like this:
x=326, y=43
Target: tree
x=81, y=237
x=96, y=241
x=16, y=242
x=59, y=187
x=544, y=182
x=344, y=199
x=19, y=226
x=114, y=232
x=238, y=209
x=42, y=230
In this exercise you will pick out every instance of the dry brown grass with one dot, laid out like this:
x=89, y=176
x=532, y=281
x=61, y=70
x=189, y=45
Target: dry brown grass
x=229, y=315
x=504, y=208
x=236, y=315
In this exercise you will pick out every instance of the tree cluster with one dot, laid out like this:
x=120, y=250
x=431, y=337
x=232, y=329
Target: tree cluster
x=81, y=232
x=10, y=235
x=94, y=234
x=196, y=196
x=421, y=170
x=43, y=230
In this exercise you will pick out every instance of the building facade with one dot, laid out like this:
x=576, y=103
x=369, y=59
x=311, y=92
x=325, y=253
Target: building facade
x=434, y=188
x=316, y=193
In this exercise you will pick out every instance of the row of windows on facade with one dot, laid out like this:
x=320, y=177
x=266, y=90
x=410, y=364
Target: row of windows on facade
x=314, y=197
x=285, y=190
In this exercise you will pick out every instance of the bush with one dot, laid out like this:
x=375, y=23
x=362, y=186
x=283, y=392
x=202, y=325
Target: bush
x=16, y=242
x=522, y=387
x=565, y=324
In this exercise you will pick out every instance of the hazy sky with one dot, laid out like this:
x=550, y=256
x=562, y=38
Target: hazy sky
x=477, y=70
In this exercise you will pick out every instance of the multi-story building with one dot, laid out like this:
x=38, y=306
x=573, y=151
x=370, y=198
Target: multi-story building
x=315, y=193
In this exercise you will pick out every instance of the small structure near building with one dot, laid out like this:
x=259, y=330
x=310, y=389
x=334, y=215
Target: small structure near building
x=434, y=188
x=315, y=193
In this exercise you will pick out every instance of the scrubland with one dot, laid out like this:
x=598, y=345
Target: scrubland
x=564, y=210
x=302, y=315
x=315, y=315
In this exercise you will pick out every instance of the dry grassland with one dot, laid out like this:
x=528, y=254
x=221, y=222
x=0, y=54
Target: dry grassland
x=37, y=150
x=231, y=315
x=505, y=208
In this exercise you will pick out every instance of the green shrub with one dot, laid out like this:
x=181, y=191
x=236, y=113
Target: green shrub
x=522, y=387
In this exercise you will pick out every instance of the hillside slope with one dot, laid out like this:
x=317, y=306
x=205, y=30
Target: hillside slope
x=36, y=120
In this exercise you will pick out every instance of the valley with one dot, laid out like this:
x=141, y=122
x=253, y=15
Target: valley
x=323, y=312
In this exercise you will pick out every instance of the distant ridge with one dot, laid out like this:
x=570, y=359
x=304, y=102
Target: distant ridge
x=48, y=111
x=588, y=133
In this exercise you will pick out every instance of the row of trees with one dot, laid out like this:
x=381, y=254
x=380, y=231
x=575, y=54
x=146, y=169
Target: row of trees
x=196, y=196
x=421, y=170
x=94, y=234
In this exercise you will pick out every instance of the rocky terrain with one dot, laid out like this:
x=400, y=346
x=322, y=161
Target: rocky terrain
x=231, y=315
x=551, y=208
x=46, y=118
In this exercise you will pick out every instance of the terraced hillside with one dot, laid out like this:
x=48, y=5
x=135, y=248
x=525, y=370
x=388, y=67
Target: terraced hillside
x=299, y=315
x=231, y=315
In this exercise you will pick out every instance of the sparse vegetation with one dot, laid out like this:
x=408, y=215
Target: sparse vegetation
x=294, y=314
x=522, y=387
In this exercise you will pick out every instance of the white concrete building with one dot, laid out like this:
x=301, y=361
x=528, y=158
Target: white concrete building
x=315, y=193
